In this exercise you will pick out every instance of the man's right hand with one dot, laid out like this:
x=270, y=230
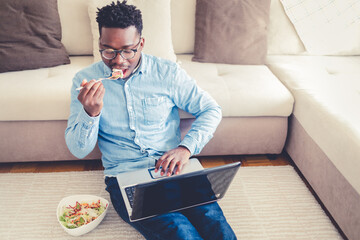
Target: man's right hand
x=91, y=97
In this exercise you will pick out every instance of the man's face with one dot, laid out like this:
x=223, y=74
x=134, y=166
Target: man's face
x=120, y=39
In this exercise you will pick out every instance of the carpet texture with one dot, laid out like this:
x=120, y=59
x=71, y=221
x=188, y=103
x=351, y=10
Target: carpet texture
x=262, y=203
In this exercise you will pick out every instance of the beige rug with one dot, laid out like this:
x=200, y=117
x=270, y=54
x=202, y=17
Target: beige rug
x=262, y=203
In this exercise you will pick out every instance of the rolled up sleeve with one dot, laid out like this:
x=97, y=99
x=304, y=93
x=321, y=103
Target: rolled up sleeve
x=82, y=130
x=189, y=97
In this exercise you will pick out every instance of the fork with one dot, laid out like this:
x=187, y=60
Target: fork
x=98, y=80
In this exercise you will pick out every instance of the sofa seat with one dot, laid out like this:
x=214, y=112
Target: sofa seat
x=255, y=89
x=241, y=90
x=327, y=93
x=41, y=94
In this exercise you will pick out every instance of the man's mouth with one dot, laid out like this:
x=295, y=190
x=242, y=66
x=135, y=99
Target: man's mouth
x=123, y=69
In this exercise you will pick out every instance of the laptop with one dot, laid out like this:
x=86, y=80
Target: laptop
x=147, y=194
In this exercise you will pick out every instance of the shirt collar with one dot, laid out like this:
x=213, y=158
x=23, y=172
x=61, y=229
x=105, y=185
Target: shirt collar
x=142, y=65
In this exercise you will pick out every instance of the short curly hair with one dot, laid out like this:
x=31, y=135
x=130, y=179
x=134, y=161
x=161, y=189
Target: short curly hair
x=119, y=15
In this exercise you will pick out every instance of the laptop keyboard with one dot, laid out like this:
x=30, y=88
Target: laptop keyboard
x=130, y=191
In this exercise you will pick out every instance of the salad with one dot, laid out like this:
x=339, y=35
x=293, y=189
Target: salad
x=81, y=214
x=116, y=74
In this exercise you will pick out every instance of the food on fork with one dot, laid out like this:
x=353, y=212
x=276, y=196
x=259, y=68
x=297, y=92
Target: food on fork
x=116, y=74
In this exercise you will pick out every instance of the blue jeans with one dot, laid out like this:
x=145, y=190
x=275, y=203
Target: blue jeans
x=201, y=222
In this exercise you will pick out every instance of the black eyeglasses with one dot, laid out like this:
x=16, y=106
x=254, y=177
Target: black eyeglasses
x=126, y=54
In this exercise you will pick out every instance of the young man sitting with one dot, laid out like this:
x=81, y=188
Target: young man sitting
x=136, y=122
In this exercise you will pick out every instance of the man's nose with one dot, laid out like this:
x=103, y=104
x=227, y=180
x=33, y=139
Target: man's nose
x=119, y=59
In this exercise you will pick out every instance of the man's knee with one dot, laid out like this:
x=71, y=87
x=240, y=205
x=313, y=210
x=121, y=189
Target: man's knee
x=169, y=226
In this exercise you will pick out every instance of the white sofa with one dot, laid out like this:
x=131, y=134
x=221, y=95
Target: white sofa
x=324, y=128
x=257, y=100
x=255, y=104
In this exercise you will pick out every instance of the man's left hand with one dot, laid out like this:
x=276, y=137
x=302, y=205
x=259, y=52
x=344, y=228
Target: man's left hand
x=176, y=157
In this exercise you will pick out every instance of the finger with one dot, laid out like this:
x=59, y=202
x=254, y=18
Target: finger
x=159, y=161
x=181, y=164
x=85, y=90
x=100, y=91
x=157, y=166
x=172, y=166
x=179, y=168
x=94, y=88
x=165, y=164
x=83, y=83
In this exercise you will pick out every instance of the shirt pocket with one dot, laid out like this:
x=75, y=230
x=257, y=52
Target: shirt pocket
x=156, y=110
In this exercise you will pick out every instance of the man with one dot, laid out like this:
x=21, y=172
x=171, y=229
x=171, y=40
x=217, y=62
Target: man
x=136, y=121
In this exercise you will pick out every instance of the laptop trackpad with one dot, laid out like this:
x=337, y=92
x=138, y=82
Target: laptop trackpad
x=156, y=175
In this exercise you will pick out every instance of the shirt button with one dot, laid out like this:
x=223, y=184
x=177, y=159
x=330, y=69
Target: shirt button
x=90, y=122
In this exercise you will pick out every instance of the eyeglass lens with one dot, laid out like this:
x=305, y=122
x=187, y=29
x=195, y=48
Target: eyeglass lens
x=111, y=54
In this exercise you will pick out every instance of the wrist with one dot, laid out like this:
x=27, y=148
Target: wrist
x=92, y=114
x=185, y=148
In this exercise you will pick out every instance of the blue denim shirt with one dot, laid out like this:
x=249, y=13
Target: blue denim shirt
x=140, y=119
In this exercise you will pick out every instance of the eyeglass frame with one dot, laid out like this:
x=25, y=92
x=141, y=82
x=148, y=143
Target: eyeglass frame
x=135, y=50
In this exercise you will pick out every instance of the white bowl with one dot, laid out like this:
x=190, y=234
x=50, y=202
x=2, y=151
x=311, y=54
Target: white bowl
x=71, y=200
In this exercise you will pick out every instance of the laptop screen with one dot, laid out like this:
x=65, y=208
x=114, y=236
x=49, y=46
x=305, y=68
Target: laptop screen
x=181, y=191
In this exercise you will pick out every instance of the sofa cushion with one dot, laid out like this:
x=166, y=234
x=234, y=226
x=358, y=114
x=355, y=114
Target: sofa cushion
x=327, y=93
x=156, y=31
x=232, y=32
x=281, y=34
x=326, y=27
x=30, y=35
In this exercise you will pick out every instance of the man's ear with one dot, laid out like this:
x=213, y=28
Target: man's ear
x=142, y=43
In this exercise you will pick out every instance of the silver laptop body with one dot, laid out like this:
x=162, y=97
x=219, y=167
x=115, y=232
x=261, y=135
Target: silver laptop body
x=147, y=194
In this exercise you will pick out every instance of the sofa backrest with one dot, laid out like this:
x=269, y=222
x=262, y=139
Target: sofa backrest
x=78, y=39
x=282, y=37
x=75, y=26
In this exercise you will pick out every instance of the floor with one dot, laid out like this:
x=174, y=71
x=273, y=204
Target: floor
x=91, y=165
